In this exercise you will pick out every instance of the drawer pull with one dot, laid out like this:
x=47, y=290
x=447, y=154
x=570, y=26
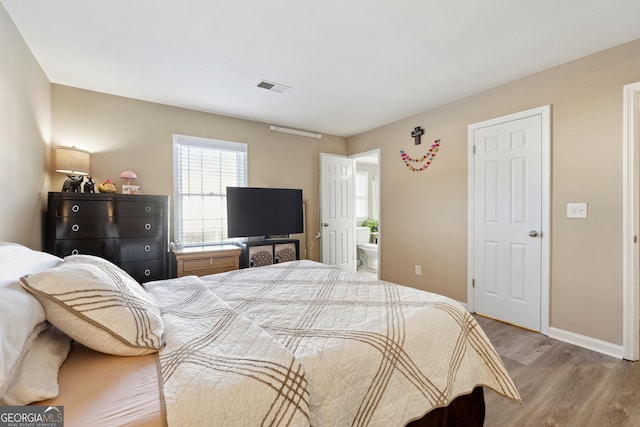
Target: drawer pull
x=147, y=248
x=147, y=272
x=75, y=208
x=210, y=261
x=147, y=226
x=147, y=209
x=75, y=227
x=75, y=252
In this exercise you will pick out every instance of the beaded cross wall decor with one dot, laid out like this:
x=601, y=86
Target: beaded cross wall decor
x=426, y=159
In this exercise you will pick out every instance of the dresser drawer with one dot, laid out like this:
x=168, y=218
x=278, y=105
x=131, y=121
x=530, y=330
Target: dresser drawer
x=85, y=228
x=141, y=248
x=203, y=260
x=139, y=226
x=213, y=264
x=105, y=248
x=145, y=271
x=75, y=208
x=140, y=208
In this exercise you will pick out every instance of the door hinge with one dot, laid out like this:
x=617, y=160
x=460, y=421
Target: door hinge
x=473, y=283
x=474, y=150
x=635, y=239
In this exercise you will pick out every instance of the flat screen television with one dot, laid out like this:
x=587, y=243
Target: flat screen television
x=263, y=212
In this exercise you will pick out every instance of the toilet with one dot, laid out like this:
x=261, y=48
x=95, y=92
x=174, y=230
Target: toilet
x=367, y=252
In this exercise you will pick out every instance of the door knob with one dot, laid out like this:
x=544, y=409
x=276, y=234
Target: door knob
x=325, y=224
x=533, y=233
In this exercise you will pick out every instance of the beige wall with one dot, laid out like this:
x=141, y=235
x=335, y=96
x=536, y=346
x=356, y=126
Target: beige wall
x=424, y=215
x=25, y=127
x=123, y=133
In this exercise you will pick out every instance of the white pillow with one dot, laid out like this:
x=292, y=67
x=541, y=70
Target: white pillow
x=99, y=305
x=17, y=260
x=36, y=377
x=21, y=315
x=21, y=319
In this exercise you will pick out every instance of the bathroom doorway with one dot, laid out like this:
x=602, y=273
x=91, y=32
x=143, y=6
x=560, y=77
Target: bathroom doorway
x=367, y=209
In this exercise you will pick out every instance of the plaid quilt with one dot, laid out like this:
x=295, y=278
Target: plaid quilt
x=371, y=352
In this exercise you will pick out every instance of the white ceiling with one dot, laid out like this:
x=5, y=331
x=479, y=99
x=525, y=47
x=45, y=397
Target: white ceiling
x=352, y=65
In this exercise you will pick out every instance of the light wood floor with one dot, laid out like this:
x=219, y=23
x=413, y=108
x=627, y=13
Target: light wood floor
x=560, y=384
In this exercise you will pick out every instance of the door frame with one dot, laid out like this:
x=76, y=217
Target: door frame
x=369, y=153
x=545, y=113
x=631, y=217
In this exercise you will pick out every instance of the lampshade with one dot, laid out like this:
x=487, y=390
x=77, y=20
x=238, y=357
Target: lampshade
x=128, y=175
x=72, y=161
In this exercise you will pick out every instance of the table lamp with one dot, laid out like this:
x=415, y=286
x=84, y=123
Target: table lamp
x=74, y=163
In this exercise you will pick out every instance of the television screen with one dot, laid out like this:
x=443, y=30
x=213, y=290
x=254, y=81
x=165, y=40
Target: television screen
x=267, y=212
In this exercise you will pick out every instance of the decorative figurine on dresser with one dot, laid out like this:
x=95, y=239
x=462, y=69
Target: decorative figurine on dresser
x=89, y=186
x=72, y=184
x=130, y=231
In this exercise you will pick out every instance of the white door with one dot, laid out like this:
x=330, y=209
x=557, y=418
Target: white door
x=337, y=216
x=508, y=219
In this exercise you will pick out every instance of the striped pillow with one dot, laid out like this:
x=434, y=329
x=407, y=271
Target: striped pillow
x=99, y=305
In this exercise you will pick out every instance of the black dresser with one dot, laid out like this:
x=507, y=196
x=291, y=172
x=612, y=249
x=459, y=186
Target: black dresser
x=132, y=231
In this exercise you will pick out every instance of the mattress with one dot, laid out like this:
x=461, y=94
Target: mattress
x=98, y=389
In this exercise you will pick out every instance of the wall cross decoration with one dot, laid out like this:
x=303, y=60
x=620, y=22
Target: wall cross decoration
x=416, y=134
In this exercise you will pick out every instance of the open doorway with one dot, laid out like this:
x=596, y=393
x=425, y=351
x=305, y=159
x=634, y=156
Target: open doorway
x=367, y=212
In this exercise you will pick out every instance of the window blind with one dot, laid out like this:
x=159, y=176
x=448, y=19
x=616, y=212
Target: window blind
x=203, y=169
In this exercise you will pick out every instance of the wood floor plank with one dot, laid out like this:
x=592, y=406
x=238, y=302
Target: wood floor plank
x=560, y=384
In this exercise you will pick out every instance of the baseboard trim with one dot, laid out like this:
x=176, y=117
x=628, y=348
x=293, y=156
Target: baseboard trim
x=594, y=344
x=589, y=343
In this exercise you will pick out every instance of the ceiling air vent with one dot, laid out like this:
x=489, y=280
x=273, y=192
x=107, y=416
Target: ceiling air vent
x=275, y=87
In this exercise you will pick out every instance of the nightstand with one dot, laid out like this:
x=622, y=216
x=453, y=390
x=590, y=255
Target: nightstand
x=203, y=260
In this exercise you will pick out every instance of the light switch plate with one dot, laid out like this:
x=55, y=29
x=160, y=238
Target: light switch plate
x=576, y=210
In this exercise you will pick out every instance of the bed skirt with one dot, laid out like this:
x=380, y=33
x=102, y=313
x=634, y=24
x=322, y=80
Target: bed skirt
x=465, y=411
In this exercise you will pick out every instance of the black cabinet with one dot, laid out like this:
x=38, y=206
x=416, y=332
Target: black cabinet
x=259, y=253
x=131, y=231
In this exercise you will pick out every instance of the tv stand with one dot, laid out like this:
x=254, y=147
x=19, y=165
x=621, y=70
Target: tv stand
x=258, y=253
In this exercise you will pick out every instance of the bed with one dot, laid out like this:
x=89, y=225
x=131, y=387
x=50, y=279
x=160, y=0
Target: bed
x=296, y=343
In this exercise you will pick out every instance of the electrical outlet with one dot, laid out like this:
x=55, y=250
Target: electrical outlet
x=418, y=270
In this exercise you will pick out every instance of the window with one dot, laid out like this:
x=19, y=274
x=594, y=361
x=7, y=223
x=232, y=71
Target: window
x=203, y=169
x=362, y=194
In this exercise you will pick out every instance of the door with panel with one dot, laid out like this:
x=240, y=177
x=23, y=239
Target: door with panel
x=507, y=219
x=337, y=215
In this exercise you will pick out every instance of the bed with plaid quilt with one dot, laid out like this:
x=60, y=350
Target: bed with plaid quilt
x=353, y=351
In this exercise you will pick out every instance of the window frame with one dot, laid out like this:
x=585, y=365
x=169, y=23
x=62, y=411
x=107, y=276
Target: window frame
x=207, y=143
x=360, y=197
